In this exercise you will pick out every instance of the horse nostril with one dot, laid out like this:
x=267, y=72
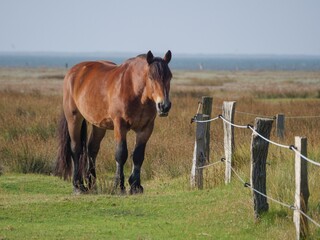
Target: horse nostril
x=167, y=107
x=164, y=107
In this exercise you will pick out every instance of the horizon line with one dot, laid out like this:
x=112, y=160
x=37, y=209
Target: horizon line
x=179, y=54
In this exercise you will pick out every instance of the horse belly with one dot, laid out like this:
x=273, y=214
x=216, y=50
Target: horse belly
x=105, y=123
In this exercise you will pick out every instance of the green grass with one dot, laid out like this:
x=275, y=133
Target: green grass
x=42, y=207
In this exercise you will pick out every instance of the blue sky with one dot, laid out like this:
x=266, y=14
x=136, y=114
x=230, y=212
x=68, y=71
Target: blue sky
x=192, y=27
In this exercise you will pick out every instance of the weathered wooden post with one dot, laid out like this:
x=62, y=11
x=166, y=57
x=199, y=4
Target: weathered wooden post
x=199, y=152
x=206, y=110
x=259, y=153
x=280, y=125
x=228, y=110
x=302, y=189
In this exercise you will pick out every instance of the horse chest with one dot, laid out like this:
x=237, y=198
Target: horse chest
x=139, y=119
x=136, y=119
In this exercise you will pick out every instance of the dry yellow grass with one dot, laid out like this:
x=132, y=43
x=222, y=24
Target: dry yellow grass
x=30, y=105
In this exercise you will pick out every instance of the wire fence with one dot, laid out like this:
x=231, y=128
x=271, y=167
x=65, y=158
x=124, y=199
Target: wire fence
x=292, y=207
x=270, y=116
x=290, y=147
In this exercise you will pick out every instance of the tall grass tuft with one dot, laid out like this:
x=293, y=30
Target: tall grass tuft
x=27, y=132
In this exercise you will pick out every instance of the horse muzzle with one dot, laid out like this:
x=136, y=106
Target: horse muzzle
x=163, y=108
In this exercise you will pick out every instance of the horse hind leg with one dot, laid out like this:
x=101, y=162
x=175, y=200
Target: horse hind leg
x=96, y=137
x=77, y=130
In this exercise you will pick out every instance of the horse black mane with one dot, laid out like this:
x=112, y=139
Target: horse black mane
x=158, y=69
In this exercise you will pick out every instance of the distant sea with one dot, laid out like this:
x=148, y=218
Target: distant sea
x=179, y=62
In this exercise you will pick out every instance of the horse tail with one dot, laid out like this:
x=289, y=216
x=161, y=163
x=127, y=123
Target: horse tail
x=83, y=165
x=63, y=163
x=64, y=159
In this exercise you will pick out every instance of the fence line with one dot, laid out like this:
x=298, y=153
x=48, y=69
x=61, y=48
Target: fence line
x=291, y=147
x=255, y=115
x=247, y=113
x=303, y=117
x=209, y=165
x=304, y=157
x=232, y=124
x=268, y=140
x=309, y=218
x=253, y=189
x=204, y=121
x=292, y=207
x=270, y=116
x=263, y=125
x=274, y=117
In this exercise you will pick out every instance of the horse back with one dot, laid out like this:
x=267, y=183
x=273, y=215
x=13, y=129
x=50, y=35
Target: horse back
x=84, y=74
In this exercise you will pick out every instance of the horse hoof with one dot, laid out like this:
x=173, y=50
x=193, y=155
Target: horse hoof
x=80, y=190
x=93, y=190
x=119, y=191
x=136, y=190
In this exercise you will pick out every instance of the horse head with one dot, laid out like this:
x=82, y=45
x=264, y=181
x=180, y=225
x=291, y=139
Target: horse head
x=160, y=76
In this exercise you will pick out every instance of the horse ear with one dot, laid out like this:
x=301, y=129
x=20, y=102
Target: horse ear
x=150, y=57
x=167, y=57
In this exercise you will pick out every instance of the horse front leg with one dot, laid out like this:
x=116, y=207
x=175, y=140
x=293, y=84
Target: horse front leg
x=138, y=158
x=121, y=158
x=121, y=154
x=96, y=137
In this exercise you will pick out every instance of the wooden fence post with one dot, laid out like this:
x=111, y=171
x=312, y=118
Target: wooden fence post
x=280, y=125
x=199, y=156
x=259, y=153
x=206, y=110
x=228, y=111
x=302, y=189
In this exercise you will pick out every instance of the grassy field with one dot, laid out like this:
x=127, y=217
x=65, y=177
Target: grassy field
x=41, y=206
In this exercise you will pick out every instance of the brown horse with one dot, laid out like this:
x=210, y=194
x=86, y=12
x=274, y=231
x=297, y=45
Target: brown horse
x=109, y=96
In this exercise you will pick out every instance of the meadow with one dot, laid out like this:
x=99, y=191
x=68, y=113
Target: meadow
x=36, y=205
